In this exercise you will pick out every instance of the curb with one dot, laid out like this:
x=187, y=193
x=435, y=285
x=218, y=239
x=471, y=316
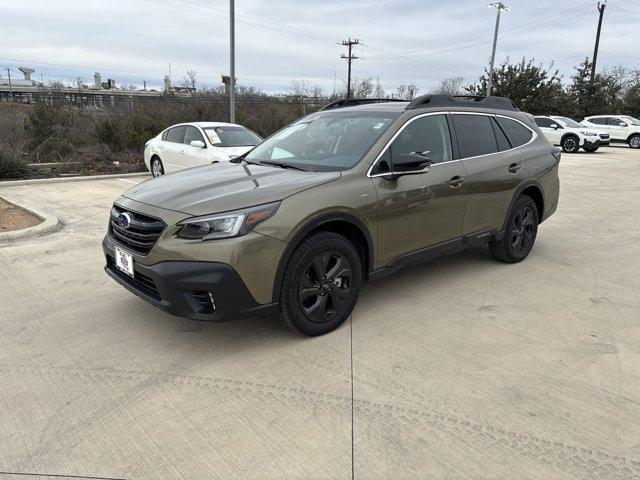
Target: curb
x=49, y=224
x=13, y=183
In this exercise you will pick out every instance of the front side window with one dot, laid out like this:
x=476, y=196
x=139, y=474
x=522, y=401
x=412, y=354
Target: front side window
x=569, y=122
x=191, y=134
x=231, y=136
x=631, y=120
x=613, y=121
x=325, y=141
x=517, y=133
x=176, y=134
x=544, y=122
x=428, y=136
x=475, y=135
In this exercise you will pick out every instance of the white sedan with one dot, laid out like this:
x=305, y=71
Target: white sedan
x=189, y=145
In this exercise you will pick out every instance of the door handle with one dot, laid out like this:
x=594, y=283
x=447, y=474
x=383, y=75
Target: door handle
x=514, y=167
x=456, y=181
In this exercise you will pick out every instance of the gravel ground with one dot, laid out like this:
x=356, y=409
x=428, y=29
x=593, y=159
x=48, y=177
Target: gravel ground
x=14, y=218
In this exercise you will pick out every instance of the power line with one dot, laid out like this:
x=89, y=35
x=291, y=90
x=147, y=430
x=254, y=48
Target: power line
x=350, y=58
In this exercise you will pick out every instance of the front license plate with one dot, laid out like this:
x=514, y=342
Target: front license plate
x=124, y=261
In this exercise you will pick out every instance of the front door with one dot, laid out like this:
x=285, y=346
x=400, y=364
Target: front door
x=618, y=128
x=190, y=156
x=419, y=210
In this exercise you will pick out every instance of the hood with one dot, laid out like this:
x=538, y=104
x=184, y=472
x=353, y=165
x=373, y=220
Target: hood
x=235, y=151
x=225, y=186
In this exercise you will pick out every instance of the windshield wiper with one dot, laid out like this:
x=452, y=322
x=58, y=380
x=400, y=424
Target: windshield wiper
x=285, y=165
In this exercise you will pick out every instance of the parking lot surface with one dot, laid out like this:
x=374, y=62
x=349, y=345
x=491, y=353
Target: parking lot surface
x=462, y=368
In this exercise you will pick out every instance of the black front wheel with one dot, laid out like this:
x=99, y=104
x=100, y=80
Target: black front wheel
x=520, y=232
x=634, y=141
x=571, y=144
x=321, y=284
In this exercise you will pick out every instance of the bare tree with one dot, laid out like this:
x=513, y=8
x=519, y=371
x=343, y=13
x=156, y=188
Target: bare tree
x=300, y=89
x=190, y=80
x=378, y=90
x=450, y=86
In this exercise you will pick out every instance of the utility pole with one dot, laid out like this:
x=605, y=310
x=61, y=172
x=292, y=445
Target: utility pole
x=232, y=61
x=350, y=57
x=601, y=8
x=499, y=6
x=10, y=87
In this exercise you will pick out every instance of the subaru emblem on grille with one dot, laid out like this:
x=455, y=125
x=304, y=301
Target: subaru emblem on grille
x=124, y=220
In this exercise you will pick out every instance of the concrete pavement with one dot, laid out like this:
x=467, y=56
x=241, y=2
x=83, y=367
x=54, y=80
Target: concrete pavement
x=462, y=368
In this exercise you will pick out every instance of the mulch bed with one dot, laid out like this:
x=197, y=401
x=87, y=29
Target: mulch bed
x=14, y=218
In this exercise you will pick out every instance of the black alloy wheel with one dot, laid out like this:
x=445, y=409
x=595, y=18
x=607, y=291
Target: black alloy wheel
x=324, y=289
x=320, y=284
x=522, y=230
x=571, y=144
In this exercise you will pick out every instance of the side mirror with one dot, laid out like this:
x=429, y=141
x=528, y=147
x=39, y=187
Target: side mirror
x=554, y=126
x=197, y=143
x=622, y=124
x=409, y=164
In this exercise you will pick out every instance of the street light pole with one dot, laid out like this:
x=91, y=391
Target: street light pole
x=232, y=61
x=499, y=6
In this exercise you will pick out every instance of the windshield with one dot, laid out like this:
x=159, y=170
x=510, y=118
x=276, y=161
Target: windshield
x=568, y=122
x=325, y=141
x=631, y=120
x=231, y=136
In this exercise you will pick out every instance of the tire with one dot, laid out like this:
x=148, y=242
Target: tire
x=591, y=149
x=570, y=144
x=157, y=168
x=520, y=232
x=321, y=284
x=634, y=141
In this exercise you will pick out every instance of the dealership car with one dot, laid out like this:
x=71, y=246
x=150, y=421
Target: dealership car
x=621, y=128
x=189, y=145
x=571, y=135
x=351, y=193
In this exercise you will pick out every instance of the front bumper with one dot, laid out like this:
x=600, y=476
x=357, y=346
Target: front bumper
x=211, y=291
x=595, y=143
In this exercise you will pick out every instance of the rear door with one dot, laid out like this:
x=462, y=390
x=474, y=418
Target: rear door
x=494, y=165
x=419, y=210
x=171, y=152
x=190, y=156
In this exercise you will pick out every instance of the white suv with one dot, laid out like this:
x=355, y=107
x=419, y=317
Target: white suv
x=193, y=144
x=622, y=128
x=571, y=135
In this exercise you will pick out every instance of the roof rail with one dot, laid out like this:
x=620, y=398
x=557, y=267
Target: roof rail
x=352, y=102
x=500, y=103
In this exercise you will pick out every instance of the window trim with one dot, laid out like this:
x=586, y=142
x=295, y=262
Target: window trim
x=534, y=136
x=395, y=135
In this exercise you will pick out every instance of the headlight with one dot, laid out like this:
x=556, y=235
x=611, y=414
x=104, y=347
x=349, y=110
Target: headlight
x=225, y=225
x=589, y=134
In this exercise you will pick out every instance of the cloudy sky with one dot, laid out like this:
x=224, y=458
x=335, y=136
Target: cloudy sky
x=419, y=41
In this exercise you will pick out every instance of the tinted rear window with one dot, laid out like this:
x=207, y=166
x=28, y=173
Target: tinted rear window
x=517, y=133
x=475, y=135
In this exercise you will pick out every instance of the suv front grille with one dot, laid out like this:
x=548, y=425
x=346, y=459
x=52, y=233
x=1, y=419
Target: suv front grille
x=140, y=235
x=140, y=282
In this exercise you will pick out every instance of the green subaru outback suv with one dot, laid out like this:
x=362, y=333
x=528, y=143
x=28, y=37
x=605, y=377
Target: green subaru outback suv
x=351, y=193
